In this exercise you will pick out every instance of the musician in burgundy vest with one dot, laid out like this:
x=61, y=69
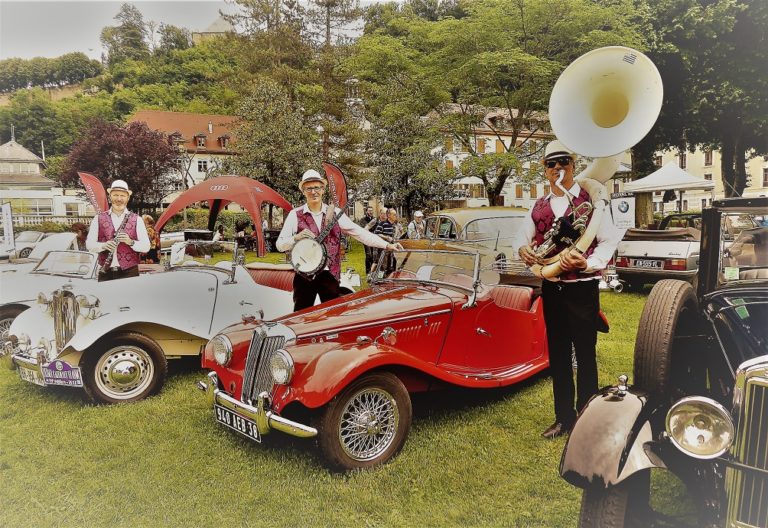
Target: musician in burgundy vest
x=572, y=303
x=118, y=236
x=308, y=221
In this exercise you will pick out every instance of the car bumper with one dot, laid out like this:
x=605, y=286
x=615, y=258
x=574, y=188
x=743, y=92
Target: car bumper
x=654, y=274
x=264, y=419
x=31, y=369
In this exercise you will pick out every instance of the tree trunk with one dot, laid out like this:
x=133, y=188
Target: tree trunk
x=642, y=165
x=726, y=166
x=740, y=161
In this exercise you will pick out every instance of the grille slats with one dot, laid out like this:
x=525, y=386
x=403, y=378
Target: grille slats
x=65, y=311
x=257, y=376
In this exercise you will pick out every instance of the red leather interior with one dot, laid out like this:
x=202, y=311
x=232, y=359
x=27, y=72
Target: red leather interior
x=513, y=297
x=273, y=278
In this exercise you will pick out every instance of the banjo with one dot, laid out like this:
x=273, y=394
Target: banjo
x=308, y=256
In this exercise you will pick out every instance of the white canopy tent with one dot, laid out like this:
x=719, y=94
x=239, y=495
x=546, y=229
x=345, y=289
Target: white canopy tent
x=670, y=177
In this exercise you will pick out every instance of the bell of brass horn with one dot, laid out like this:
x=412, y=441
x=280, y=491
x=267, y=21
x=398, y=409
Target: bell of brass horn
x=606, y=101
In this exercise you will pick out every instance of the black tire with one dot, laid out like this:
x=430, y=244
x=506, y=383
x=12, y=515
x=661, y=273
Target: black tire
x=345, y=415
x=140, y=355
x=24, y=253
x=670, y=313
x=619, y=506
x=7, y=316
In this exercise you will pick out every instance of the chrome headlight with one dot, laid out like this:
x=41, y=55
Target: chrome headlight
x=281, y=366
x=89, y=305
x=44, y=302
x=700, y=427
x=222, y=349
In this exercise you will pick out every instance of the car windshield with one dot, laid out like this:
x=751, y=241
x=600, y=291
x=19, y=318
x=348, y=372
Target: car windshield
x=76, y=263
x=493, y=228
x=746, y=257
x=456, y=268
x=27, y=236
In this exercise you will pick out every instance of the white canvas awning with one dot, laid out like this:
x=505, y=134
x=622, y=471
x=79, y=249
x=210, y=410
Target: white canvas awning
x=670, y=176
x=468, y=180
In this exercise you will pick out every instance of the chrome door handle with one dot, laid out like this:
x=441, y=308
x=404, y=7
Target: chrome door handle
x=482, y=332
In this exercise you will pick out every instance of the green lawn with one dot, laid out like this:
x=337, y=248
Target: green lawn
x=473, y=458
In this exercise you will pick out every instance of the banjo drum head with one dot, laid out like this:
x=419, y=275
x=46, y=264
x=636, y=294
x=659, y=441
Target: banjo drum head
x=308, y=256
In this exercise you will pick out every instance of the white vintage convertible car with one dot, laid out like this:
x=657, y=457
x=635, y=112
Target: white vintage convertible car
x=114, y=338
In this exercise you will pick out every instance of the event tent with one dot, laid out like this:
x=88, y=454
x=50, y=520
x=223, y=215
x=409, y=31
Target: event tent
x=218, y=192
x=670, y=176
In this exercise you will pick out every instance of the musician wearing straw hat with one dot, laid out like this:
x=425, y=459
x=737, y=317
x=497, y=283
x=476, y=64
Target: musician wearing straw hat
x=118, y=236
x=571, y=301
x=318, y=221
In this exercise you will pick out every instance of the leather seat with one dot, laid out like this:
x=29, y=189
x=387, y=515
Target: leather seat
x=759, y=273
x=512, y=297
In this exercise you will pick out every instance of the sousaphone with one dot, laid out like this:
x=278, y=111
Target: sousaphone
x=602, y=104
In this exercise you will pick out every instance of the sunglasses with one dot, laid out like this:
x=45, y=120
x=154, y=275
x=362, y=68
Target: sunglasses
x=563, y=161
x=313, y=189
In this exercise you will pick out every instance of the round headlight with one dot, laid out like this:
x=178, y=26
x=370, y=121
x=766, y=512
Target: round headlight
x=281, y=366
x=87, y=301
x=700, y=427
x=222, y=349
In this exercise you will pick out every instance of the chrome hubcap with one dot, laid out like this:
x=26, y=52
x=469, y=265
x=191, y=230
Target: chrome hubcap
x=368, y=424
x=124, y=371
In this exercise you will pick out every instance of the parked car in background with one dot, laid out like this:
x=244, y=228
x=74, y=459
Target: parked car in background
x=697, y=405
x=344, y=371
x=113, y=338
x=26, y=241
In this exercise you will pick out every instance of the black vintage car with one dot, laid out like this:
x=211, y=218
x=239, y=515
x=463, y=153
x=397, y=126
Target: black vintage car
x=697, y=405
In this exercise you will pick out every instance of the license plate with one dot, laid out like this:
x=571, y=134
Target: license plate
x=650, y=264
x=242, y=425
x=62, y=373
x=31, y=376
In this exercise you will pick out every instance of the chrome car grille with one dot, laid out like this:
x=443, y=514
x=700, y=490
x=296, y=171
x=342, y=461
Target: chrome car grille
x=747, y=487
x=65, y=311
x=257, y=377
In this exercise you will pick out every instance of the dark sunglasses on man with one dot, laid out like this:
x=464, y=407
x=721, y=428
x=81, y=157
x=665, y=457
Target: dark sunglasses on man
x=564, y=161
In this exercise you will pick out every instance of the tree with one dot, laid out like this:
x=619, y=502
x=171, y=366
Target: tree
x=144, y=158
x=173, y=38
x=127, y=40
x=275, y=144
x=406, y=165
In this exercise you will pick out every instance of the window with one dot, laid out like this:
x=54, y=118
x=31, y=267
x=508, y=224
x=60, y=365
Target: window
x=480, y=146
x=70, y=209
x=224, y=140
x=533, y=190
x=518, y=191
x=200, y=140
x=657, y=161
x=708, y=176
x=463, y=147
x=683, y=160
x=657, y=193
x=449, y=144
x=707, y=158
x=500, y=147
x=765, y=177
x=615, y=186
x=448, y=164
x=703, y=203
x=202, y=165
x=32, y=206
x=685, y=205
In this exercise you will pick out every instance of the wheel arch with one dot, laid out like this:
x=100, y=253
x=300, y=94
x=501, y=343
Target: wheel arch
x=98, y=330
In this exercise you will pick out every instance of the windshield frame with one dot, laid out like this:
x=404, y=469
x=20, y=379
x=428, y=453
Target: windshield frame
x=50, y=256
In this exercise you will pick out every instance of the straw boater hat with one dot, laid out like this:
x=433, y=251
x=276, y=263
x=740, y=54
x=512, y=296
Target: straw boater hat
x=555, y=149
x=310, y=176
x=119, y=185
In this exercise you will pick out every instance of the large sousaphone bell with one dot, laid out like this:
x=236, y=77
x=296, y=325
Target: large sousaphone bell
x=602, y=104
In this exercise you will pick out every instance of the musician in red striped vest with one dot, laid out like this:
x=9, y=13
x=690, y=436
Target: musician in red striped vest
x=572, y=303
x=118, y=236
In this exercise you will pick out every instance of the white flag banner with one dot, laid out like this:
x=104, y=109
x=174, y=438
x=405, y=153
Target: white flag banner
x=7, y=242
x=623, y=209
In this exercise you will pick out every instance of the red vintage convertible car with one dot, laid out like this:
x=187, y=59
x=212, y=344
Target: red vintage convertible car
x=343, y=371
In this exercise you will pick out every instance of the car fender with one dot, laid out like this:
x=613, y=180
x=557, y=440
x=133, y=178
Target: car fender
x=327, y=374
x=611, y=440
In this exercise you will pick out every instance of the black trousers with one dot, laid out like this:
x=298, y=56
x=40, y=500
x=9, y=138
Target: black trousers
x=570, y=313
x=305, y=290
x=112, y=274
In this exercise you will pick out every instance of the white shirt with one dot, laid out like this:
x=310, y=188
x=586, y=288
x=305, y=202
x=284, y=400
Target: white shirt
x=413, y=232
x=141, y=245
x=608, y=235
x=285, y=241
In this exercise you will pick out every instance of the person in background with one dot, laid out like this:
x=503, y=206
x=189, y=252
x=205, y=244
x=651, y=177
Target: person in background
x=81, y=230
x=372, y=253
x=119, y=232
x=416, y=227
x=572, y=300
x=219, y=234
x=367, y=217
x=308, y=221
x=151, y=256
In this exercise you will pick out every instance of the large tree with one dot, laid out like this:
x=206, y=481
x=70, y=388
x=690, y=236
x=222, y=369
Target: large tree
x=142, y=157
x=127, y=40
x=275, y=143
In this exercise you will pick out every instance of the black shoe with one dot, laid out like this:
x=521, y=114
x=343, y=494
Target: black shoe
x=556, y=429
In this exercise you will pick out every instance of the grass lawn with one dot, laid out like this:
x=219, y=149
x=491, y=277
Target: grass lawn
x=473, y=458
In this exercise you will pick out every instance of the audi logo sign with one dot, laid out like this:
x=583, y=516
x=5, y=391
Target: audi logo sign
x=219, y=187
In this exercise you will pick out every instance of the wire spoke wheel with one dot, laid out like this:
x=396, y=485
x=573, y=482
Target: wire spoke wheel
x=368, y=424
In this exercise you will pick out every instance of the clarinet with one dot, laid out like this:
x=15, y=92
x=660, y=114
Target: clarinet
x=108, y=262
